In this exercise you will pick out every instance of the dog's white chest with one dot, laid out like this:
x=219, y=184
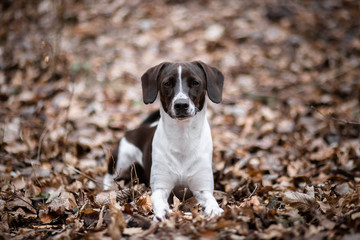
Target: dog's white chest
x=182, y=156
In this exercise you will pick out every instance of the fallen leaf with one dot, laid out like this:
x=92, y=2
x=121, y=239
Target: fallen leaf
x=133, y=231
x=105, y=198
x=145, y=203
x=301, y=201
x=118, y=223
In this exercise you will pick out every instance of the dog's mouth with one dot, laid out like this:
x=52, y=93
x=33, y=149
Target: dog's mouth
x=182, y=117
x=181, y=114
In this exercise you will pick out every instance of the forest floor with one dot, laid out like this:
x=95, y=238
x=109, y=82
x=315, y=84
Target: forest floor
x=286, y=136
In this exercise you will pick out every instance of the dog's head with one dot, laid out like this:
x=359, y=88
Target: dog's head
x=182, y=87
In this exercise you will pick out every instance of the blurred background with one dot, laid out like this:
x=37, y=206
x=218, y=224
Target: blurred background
x=70, y=86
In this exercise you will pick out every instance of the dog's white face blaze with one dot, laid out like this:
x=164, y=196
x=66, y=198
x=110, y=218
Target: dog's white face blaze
x=180, y=94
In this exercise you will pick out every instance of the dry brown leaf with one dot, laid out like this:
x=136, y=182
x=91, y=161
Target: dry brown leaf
x=323, y=154
x=105, y=198
x=118, y=223
x=23, y=202
x=208, y=234
x=189, y=204
x=274, y=231
x=56, y=207
x=133, y=231
x=46, y=217
x=300, y=201
x=176, y=204
x=355, y=216
x=223, y=223
x=343, y=189
x=325, y=207
x=145, y=203
x=68, y=200
x=289, y=116
x=101, y=219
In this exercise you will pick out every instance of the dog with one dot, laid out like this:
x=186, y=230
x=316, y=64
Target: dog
x=176, y=150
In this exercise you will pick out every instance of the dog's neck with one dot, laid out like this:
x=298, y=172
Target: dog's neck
x=178, y=130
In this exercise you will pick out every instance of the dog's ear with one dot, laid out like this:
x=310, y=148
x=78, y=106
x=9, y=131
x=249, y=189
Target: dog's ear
x=149, y=83
x=214, y=81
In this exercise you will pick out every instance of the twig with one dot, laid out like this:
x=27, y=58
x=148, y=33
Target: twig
x=254, y=191
x=132, y=183
x=43, y=134
x=67, y=111
x=101, y=219
x=133, y=170
x=2, y=135
x=333, y=118
x=184, y=195
x=343, y=71
x=60, y=9
x=245, y=201
x=14, y=194
x=81, y=173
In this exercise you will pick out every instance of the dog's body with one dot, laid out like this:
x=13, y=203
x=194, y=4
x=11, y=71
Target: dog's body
x=176, y=150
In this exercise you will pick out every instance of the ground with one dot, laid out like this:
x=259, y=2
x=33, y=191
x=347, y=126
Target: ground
x=286, y=136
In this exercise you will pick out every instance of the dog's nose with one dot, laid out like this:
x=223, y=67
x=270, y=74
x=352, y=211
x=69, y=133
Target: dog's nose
x=181, y=104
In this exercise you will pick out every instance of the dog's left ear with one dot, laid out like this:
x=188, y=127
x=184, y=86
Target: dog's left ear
x=149, y=83
x=214, y=81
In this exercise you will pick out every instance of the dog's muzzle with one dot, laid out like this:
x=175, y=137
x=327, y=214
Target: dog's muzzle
x=181, y=109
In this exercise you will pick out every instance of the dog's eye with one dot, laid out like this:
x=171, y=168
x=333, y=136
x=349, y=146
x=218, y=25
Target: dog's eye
x=195, y=83
x=167, y=84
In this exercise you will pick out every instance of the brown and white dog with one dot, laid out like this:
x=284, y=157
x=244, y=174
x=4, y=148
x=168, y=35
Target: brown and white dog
x=177, y=149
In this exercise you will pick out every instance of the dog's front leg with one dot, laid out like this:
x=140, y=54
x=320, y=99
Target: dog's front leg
x=160, y=204
x=207, y=200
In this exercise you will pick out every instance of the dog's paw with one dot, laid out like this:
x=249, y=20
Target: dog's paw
x=161, y=216
x=213, y=210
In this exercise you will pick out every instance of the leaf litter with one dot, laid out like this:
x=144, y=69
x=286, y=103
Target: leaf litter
x=286, y=137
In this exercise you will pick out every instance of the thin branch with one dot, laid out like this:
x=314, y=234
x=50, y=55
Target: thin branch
x=15, y=195
x=333, y=118
x=67, y=110
x=132, y=181
x=43, y=134
x=101, y=219
x=253, y=192
x=81, y=173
